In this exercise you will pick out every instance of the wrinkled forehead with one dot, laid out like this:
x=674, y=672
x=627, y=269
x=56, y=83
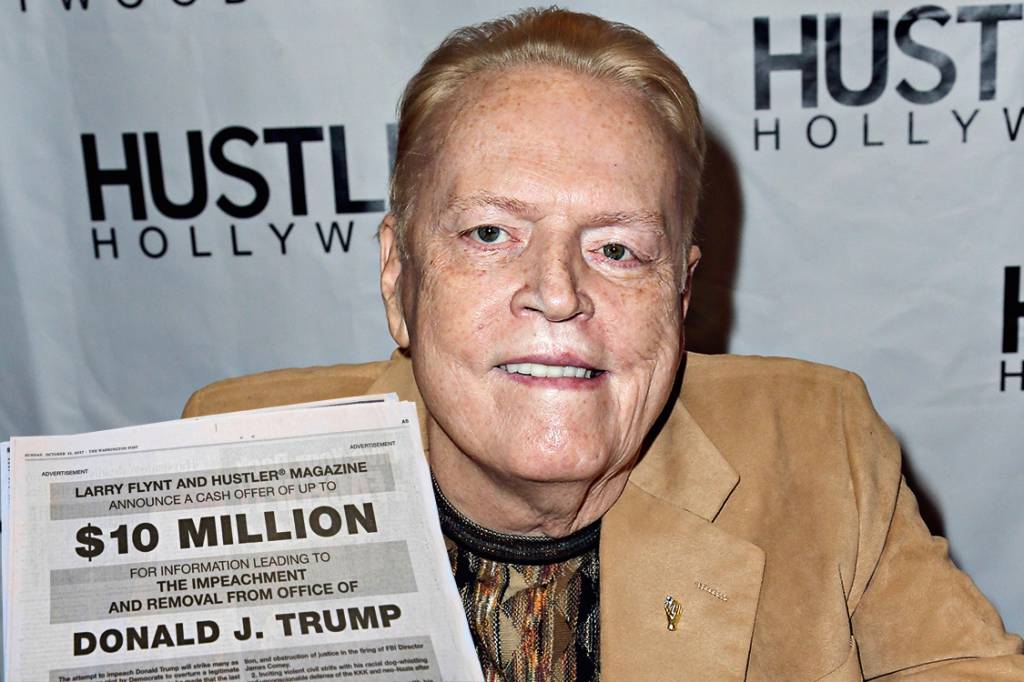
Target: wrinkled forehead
x=546, y=137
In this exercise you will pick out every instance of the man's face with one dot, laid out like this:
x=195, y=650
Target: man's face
x=541, y=295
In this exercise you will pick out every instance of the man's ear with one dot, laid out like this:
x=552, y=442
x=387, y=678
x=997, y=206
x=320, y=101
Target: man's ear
x=692, y=258
x=390, y=280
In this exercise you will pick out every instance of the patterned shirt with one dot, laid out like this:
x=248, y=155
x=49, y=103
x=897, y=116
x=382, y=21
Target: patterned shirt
x=531, y=602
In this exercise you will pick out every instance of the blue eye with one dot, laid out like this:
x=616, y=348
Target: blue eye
x=488, y=234
x=616, y=252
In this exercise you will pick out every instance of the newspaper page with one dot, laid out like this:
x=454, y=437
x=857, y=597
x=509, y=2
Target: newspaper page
x=289, y=545
x=5, y=491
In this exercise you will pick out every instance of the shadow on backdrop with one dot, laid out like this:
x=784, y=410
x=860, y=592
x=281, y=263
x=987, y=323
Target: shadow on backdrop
x=719, y=227
x=930, y=511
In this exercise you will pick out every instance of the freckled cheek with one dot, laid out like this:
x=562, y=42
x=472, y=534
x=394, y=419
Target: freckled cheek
x=641, y=325
x=459, y=311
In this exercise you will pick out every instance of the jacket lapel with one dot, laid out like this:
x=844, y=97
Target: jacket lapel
x=658, y=540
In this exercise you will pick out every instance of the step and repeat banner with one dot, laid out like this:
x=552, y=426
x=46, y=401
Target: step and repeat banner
x=189, y=190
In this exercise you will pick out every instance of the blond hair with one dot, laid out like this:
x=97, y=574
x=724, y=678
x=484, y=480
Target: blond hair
x=581, y=43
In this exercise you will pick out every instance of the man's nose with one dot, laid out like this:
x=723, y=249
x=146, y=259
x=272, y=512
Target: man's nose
x=554, y=283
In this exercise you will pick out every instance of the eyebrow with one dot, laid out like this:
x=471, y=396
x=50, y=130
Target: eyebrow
x=649, y=219
x=483, y=199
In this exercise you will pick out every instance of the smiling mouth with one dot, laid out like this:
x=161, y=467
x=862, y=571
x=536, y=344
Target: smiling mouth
x=536, y=369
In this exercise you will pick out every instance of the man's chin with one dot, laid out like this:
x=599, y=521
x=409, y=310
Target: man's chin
x=547, y=468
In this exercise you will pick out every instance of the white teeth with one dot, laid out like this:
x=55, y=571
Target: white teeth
x=536, y=369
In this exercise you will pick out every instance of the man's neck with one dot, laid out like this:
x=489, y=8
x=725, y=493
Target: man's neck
x=506, y=504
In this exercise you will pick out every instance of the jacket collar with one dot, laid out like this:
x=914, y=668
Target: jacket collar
x=683, y=467
x=659, y=539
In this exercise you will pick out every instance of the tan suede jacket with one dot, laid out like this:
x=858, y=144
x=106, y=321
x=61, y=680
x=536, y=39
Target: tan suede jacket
x=770, y=504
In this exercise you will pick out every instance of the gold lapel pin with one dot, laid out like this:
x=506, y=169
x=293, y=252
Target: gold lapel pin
x=672, y=612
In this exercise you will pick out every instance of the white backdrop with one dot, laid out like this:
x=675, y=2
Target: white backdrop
x=864, y=210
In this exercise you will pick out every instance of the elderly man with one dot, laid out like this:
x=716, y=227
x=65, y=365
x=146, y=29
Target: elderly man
x=614, y=507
